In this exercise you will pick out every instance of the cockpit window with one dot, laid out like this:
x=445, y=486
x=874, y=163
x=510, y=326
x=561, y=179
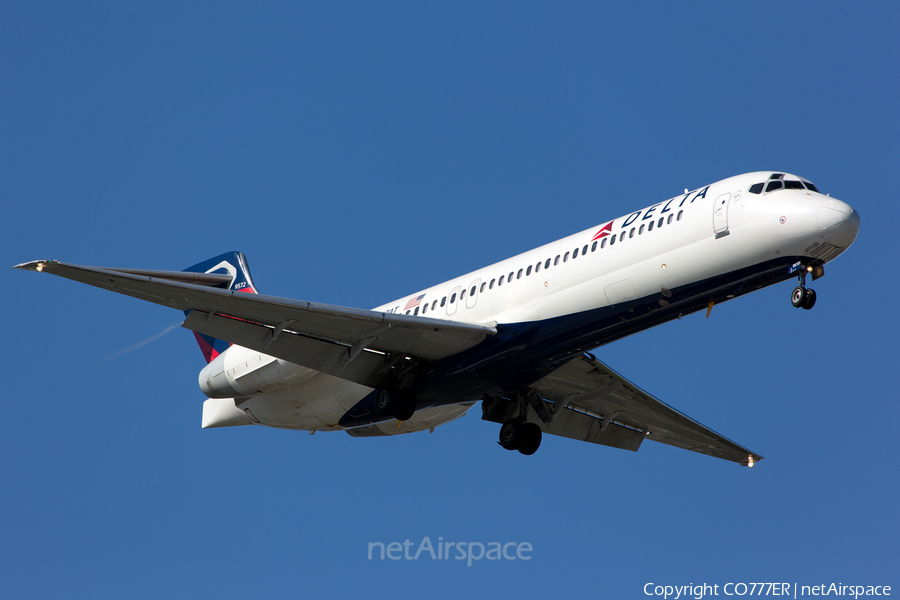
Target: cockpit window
x=777, y=181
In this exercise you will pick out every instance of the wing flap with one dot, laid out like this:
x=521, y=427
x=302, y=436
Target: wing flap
x=325, y=356
x=613, y=404
x=580, y=426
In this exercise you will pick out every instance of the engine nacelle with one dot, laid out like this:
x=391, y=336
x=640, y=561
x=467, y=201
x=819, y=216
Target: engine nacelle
x=242, y=372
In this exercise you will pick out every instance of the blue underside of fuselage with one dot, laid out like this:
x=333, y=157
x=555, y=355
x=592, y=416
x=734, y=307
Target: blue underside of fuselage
x=522, y=353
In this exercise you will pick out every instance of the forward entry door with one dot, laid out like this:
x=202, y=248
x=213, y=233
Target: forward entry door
x=720, y=215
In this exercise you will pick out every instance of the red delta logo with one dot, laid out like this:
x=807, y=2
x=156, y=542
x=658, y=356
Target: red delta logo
x=604, y=231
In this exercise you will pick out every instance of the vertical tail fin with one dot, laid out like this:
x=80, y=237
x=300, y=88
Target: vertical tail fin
x=235, y=265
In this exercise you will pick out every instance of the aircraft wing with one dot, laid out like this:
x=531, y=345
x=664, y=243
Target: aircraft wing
x=593, y=403
x=350, y=343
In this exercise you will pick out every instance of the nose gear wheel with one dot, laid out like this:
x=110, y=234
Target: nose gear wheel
x=797, y=296
x=802, y=297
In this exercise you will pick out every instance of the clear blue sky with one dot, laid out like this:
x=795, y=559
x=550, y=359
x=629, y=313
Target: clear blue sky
x=359, y=152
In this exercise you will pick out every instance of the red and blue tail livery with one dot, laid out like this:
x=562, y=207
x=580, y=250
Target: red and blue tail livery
x=233, y=264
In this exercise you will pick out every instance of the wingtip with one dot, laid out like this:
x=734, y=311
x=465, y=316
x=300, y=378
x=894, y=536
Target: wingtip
x=35, y=265
x=751, y=460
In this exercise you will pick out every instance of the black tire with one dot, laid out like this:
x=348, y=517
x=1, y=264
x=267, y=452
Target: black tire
x=385, y=400
x=797, y=296
x=532, y=439
x=406, y=405
x=809, y=299
x=511, y=434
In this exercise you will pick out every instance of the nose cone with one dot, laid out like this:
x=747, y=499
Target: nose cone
x=839, y=222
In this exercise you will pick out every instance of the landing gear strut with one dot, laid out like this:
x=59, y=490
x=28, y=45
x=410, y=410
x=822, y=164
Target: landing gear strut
x=802, y=297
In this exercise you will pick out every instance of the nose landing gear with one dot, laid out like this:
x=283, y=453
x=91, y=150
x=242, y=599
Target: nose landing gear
x=802, y=297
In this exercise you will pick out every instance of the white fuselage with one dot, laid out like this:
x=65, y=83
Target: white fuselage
x=698, y=236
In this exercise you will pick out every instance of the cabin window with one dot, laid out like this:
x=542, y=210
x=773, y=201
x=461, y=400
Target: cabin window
x=547, y=264
x=407, y=312
x=603, y=244
x=660, y=222
x=641, y=230
x=680, y=212
x=669, y=220
x=462, y=295
x=434, y=304
x=424, y=308
x=631, y=233
x=622, y=236
x=650, y=226
x=501, y=280
x=566, y=257
x=584, y=250
x=509, y=278
x=612, y=240
x=491, y=285
x=483, y=285
x=537, y=267
x=472, y=291
x=519, y=275
x=556, y=261
x=756, y=188
x=575, y=253
x=594, y=247
x=453, y=298
x=528, y=271
x=443, y=300
x=416, y=313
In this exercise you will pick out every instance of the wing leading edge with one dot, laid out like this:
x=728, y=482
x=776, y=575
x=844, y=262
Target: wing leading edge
x=345, y=342
x=594, y=403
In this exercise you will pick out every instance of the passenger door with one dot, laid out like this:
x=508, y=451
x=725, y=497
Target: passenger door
x=720, y=215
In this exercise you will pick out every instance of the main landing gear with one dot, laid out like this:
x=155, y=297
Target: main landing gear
x=802, y=297
x=512, y=411
x=516, y=434
x=400, y=404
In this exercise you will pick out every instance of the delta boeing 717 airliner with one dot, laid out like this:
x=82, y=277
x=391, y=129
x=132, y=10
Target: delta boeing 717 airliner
x=515, y=335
